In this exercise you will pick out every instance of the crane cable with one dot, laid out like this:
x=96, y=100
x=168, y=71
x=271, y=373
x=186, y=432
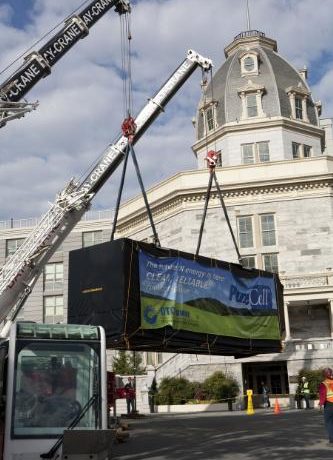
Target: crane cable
x=129, y=126
x=212, y=158
x=126, y=67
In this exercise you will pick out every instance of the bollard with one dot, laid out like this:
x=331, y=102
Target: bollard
x=250, y=410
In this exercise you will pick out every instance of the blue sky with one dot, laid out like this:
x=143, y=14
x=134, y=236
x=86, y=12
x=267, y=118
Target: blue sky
x=81, y=102
x=20, y=12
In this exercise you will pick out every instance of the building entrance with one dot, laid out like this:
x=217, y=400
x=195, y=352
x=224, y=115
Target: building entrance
x=274, y=375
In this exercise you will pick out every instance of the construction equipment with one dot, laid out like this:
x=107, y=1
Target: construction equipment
x=38, y=64
x=20, y=273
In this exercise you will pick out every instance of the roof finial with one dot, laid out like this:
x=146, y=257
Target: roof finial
x=248, y=15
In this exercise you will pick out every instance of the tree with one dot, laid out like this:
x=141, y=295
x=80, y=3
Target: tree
x=314, y=377
x=128, y=363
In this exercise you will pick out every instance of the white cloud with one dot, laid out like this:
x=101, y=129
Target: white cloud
x=81, y=102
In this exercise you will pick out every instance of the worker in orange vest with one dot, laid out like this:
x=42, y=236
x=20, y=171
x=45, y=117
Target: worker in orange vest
x=326, y=401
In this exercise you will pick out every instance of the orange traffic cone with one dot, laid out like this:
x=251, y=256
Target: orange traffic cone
x=277, y=409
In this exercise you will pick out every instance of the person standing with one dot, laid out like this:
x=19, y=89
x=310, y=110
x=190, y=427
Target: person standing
x=305, y=392
x=326, y=401
x=130, y=395
x=265, y=395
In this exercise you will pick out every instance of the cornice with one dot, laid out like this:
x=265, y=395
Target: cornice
x=183, y=199
x=249, y=39
x=245, y=125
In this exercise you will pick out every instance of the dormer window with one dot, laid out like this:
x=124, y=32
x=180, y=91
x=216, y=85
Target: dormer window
x=210, y=118
x=208, y=111
x=298, y=108
x=251, y=96
x=298, y=97
x=249, y=63
x=251, y=105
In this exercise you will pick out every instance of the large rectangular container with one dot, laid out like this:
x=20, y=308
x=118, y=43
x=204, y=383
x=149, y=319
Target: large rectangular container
x=158, y=299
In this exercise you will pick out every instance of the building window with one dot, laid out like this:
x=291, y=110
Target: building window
x=53, y=309
x=248, y=154
x=268, y=230
x=152, y=358
x=263, y=151
x=251, y=105
x=298, y=108
x=270, y=262
x=245, y=232
x=210, y=119
x=296, y=150
x=258, y=232
x=307, y=150
x=249, y=64
x=298, y=97
x=301, y=150
x=53, y=276
x=248, y=261
x=255, y=153
x=13, y=245
x=91, y=238
x=219, y=159
x=251, y=96
x=209, y=116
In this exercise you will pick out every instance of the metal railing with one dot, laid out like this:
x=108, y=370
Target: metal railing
x=250, y=33
x=33, y=221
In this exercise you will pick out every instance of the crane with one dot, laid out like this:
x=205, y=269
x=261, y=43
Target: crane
x=64, y=364
x=38, y=64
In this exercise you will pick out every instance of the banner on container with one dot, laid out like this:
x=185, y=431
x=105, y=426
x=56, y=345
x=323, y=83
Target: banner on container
x=188, y=295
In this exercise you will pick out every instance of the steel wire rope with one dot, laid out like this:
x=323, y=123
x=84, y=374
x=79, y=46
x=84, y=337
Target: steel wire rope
x=42, y=38
x=126, y=69
x=212, y=172
x=128, y=125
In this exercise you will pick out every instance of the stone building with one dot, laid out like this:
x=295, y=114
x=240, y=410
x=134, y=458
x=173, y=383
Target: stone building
x=275, y=168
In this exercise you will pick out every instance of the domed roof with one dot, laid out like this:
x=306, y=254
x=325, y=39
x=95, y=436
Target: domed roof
x=268, y=73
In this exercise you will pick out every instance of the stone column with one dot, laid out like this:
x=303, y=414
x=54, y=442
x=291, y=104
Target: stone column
x=259, y=95
x=304, y=108
x=292, y=104
x=330, y=309
x=244, y=110
x=286, y=320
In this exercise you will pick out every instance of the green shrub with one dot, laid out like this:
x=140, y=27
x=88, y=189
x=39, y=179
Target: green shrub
x=178, y=390
x=220, y=387
x=175, y=390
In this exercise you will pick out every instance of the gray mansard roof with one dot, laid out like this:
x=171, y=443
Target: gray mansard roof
x=275, y=75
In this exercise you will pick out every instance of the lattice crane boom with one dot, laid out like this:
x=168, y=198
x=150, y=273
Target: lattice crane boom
x=38, y=64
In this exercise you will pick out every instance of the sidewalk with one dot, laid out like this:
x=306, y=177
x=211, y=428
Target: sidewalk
x=290, y=435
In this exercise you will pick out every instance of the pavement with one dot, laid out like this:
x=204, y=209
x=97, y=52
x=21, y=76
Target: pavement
x=290, y=435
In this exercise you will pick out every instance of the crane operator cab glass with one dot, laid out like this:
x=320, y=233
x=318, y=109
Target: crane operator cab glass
x=55, y=377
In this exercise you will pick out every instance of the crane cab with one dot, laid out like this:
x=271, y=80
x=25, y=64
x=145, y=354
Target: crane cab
x=52, y=375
